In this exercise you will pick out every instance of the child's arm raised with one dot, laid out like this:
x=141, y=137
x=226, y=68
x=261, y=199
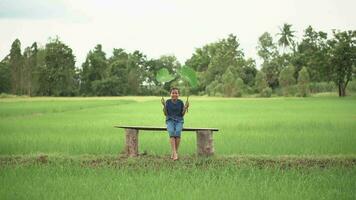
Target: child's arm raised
x=164, y=106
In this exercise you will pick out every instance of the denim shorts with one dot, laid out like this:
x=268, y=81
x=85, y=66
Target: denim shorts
x=174, y=127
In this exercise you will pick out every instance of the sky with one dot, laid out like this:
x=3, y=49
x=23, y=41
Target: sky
x=163, y=27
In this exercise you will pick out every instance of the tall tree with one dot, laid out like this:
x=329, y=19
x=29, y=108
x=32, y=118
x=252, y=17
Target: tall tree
x=30, y=68
x=343, y=58
x=212, y=61
x=95, y=68
x=5, y=76
x=16, y=63
x=118, y=64
x=266, y=48
x=273, y=62
x=312, y=53
x=249, y=72
x=287, y=36
x=59, y=76
x=136, y=72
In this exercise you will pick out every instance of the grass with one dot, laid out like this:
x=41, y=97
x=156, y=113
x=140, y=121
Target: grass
x=199, y=179
x=278, y=126
x=282, y=143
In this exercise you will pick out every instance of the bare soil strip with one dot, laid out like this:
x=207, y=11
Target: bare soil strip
x=152, y=161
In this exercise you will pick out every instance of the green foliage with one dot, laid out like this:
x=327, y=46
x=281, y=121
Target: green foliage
x=303, y=82
x=313, y=54
x=266, y=48
x=215, y=88
x=343, y=58
x=273, y=62
x=5, y=77
x=50, y=71
x=164, y=76
x=286, y=36
x=59, y=70
x=188, y=74
x=351, y=87
x=248, y=72
x=107, y=87
x=16, y=67
x=287, y=80
x=319, y=87
x=232, y=87
x=95, y=68
x=30, y=68
x=266, y=92
x=261, y=82
x=212, y=61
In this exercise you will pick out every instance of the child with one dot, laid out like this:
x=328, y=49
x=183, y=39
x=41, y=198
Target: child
x=174, y=110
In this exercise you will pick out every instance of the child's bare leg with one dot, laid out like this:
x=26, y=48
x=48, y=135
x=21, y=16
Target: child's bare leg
x=173, y=146
x=175, y=154
x=177, y=141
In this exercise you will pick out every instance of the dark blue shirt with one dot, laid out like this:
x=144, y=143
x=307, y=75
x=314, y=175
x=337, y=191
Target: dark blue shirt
x=174, y=109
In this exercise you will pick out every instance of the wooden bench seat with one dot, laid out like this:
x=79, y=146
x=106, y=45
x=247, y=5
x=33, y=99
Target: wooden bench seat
x=205, y=145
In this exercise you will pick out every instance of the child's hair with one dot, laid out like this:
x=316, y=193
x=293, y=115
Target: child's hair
x=174, y=88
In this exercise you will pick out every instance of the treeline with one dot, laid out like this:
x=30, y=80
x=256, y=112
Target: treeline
x=290, y=67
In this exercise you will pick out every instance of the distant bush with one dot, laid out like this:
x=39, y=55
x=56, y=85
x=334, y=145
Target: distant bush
x=319, y=87
x=303, y=83
x=287, y=81
x=351, y=87
x=266, y=92
x=5, y=95
x=250, y=90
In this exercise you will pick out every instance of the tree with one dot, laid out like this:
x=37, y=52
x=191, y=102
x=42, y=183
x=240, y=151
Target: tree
x=119, y=72
x=58, y=77
x=16, y=62
x=229, y=84
x=249, y=72
x=303, y=82
x=107, y=87
x=266, y=48
x=95, y=68
x=215, y=88
x=343, y=58
x=5, y=76
x=273, y=62
x=312, y=53
x=286, y=39
x=261, y=82
x=286, y=79
x=212, y=60
x=136, y=72
x=29, y=68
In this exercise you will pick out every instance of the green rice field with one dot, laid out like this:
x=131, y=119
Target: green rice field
x=266, y=148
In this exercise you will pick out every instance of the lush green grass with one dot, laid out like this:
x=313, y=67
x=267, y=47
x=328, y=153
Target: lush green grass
x=314, y=128
x=71, y=181
x=278, y=126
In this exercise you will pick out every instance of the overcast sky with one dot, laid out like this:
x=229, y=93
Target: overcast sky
x=161, y=27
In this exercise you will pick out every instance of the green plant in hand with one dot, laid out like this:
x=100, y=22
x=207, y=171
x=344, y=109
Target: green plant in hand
x=186, y=73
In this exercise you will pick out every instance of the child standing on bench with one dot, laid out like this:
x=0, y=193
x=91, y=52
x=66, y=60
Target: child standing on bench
x=174, y=110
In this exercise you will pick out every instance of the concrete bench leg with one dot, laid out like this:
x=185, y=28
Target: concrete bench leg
x=131, y=148
x=205, y=146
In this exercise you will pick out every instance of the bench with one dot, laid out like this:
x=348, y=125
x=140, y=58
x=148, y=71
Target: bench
x=205, y=146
